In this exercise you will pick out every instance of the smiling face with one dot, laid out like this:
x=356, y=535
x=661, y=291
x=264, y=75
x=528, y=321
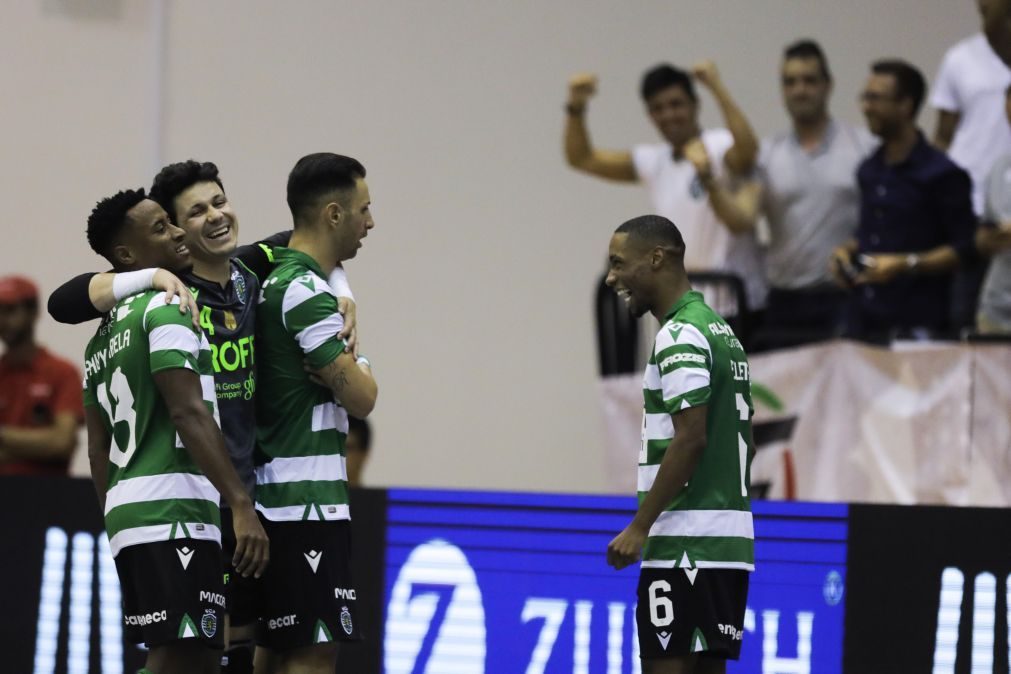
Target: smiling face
x=205, y=214
x=149, y=239
x=629, y=273
x=884, y=110
x=674, y=114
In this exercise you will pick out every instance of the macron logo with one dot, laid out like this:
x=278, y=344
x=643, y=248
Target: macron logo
x=185, y=554
x=664, y=638
x=313, y=558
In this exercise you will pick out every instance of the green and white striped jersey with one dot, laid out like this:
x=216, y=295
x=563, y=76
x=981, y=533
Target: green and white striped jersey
x=301, y=474
x=697, y=360
x=155, y=490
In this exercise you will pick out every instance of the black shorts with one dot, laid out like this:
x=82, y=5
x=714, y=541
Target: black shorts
x=240, y=591
x=306, y=595
x=172, y=590
x=677, y=617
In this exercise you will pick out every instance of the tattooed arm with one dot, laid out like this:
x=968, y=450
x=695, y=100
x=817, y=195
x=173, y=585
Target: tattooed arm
x=352, y=384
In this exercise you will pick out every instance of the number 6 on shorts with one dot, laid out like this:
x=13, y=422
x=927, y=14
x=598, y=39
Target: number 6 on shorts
x=661, y=609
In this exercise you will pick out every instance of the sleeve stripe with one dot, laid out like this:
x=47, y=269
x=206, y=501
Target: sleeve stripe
x=688, y=335
x=658, y=427
x=682, y=381
x=157, y=301
x=174, y=338
x=320, y=333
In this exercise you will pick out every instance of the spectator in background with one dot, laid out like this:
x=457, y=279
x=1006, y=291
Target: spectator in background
x=993, y=238
x=356, y=449
x=689, y=175
x=996, y=19
x=811, y=200
x=40, y=394
x=916, y=218
x=969, y=97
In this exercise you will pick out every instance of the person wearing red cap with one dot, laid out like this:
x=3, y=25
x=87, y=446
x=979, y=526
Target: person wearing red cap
x=40, y=393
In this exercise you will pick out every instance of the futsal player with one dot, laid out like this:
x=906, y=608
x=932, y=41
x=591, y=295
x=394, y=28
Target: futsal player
x=157, y=455
x=693, y=528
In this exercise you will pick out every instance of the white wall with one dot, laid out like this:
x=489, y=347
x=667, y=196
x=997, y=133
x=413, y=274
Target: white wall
x=476, y=286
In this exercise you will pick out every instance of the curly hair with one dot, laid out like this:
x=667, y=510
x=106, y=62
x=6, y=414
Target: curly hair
x=107, y=220
x=175, y=178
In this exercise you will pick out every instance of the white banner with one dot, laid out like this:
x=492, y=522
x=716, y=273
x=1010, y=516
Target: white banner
x=917, y=423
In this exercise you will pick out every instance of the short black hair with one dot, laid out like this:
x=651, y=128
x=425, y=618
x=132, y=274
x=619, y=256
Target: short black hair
x=909, y=82
x=363, y=430
x=107, y=219
x=653, y=230
x=808, y=49
x=175, y=178
x=319, y=174
x=663, y=76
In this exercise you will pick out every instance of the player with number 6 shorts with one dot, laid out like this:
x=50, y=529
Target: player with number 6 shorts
x=693, y=528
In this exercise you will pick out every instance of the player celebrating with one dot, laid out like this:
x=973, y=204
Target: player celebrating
x=225, y=281
x=693, y=529
x=308, y=600
x=148, y=382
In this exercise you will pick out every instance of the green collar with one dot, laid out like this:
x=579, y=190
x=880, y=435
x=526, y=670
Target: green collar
x=683, y=301
x=281, y=253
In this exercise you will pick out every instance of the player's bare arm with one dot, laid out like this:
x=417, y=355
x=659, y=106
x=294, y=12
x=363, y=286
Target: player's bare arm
x=107, y=288
x=180, y=389
x=99, y=442
x=679, y=461
x=352, y=384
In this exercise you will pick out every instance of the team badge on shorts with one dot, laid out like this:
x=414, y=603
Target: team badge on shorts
x=346, y=620
x=209, y=623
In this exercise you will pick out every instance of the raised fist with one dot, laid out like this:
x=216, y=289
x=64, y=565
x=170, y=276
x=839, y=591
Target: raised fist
x=706, y=73
x=582, y=87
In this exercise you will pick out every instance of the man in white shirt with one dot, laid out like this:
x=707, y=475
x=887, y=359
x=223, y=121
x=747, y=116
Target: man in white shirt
x=690, y=175
x=969, y=97
x=971, y=128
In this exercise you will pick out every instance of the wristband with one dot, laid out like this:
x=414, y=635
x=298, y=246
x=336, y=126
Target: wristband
x=363, y=359
x=130, y=283
x=575, y=110
x=339, y=283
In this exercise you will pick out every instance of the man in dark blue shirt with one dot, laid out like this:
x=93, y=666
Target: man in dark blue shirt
x=916, y=218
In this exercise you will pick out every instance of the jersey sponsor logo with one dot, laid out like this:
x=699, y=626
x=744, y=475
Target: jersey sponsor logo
x=664, y=638
x=735, y=633
x=283, y=621
x=232, y=390
x=740, y=370
x=682, y=358
x=144, y=619
x=229, y=319
x=341, y=593
x=232, y=355
x=213, y=598
x=209, y=623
